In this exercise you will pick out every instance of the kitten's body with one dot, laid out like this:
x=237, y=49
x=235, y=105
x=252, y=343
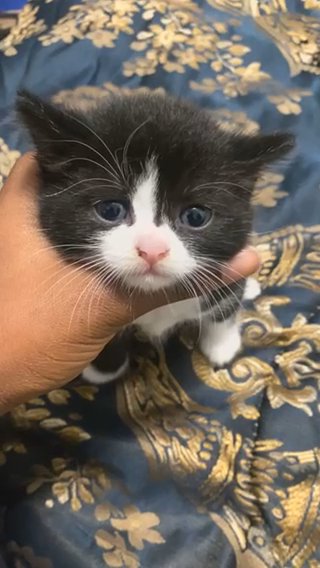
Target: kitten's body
x=153, y=187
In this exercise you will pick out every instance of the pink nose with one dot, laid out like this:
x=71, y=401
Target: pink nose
x=152, y=248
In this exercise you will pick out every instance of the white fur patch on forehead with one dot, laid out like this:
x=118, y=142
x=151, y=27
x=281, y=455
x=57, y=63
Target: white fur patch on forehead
x=145, y=196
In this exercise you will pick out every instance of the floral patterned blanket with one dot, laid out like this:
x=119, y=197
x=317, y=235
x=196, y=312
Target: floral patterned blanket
x=181, y=466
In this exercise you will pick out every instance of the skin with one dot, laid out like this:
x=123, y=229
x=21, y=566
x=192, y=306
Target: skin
x=54, y=319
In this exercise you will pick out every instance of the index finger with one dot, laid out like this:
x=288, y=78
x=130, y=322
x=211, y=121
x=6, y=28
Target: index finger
x=23, y=176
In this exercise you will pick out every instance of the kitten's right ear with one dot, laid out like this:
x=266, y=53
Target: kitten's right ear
x=50, y=128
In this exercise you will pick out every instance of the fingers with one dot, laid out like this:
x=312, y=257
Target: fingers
x=244, y=264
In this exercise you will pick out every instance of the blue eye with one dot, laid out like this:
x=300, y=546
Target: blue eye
x=196, y=216
x=112, y=211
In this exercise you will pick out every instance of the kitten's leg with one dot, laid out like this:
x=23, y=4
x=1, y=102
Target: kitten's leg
x=220, y=341
x=111, y=364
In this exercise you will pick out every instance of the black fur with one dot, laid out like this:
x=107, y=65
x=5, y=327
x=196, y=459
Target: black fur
x=191, y=151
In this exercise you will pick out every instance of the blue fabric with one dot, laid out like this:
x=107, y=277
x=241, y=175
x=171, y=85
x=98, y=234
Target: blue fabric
x=180, y=465
x=8, y=5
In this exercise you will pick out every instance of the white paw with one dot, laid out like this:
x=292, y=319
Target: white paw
x=252, y=289
x=222, y=351
x=96, y=377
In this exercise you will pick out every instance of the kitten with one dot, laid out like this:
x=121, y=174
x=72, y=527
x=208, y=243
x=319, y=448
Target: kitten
x=161, y=193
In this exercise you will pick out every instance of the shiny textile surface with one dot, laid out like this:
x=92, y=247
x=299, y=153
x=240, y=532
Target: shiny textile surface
x=181, y=466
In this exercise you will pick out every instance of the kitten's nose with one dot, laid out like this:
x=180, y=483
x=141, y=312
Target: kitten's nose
x=152, y=249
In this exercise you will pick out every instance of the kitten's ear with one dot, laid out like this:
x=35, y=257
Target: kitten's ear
x=259, y=151
x=50, y=128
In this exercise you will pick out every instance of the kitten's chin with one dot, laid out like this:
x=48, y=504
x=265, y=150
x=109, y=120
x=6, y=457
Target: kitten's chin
x=151, y=282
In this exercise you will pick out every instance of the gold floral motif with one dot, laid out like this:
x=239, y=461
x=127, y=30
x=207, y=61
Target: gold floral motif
x=298, y=39
x=79, y=486
x=26, y=554
x=7, y=160
x=251, y=470
x=37, y=413
x=139, y=526
x=182, y=435
x=101, y=21
x=234, y=120
x=249, y=376
x=311, y=4
x=183, y=39
x=296, y=36
x=295, y=513
x=14, y=446
x=26, y=26
x=116, y=552
x=283, y=259
x=235, y=81
x=267, y=192
x=252, y=8
x=288, y=102
x=85, y=97
x=244, y=79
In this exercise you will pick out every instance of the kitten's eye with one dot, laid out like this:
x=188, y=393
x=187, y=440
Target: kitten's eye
x=112, y=211
x=196, y=216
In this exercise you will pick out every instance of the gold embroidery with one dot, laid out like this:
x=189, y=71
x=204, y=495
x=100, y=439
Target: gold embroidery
x=295, y=511
x=116, y=552
x=37, y=413
x=75, y=486
x=26, y=554
x=248, y=376
x=85, y=97
x=27, y=26
x=288, y=102
x=298, y=39
x=100, y=21
x=267, y=192
x=139, y=526
x=283, y=260
x=7, y=160
x=84, y=485
x=11, y=446
x=296, y=36
x=252, y=8
x=235, y=120
x=311, y=4
x=235, y=81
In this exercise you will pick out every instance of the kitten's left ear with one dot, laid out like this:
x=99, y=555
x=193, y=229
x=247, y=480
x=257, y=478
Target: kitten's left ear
x=52, y=131
x=259, y=151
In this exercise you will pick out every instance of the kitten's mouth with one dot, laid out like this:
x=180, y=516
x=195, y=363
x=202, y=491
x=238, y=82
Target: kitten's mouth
x=150, y=280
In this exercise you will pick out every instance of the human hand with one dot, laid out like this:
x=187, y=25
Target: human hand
x=56, y=319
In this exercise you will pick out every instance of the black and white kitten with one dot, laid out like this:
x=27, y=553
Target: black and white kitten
x=156, y=189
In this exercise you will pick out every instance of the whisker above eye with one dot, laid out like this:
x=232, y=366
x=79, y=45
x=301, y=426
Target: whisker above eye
x=79, y=158
x=77, y=119
x=112, y=172
x=127, y=144
x=86, y=180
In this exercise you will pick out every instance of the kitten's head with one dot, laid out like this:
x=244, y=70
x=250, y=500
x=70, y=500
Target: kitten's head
x=145, y=188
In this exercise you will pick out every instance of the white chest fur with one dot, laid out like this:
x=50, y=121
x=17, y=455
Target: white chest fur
x=160, y=321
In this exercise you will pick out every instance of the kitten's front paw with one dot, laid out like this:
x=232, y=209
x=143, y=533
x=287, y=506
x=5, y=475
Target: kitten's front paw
x=252, y=289
x=221, y=351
